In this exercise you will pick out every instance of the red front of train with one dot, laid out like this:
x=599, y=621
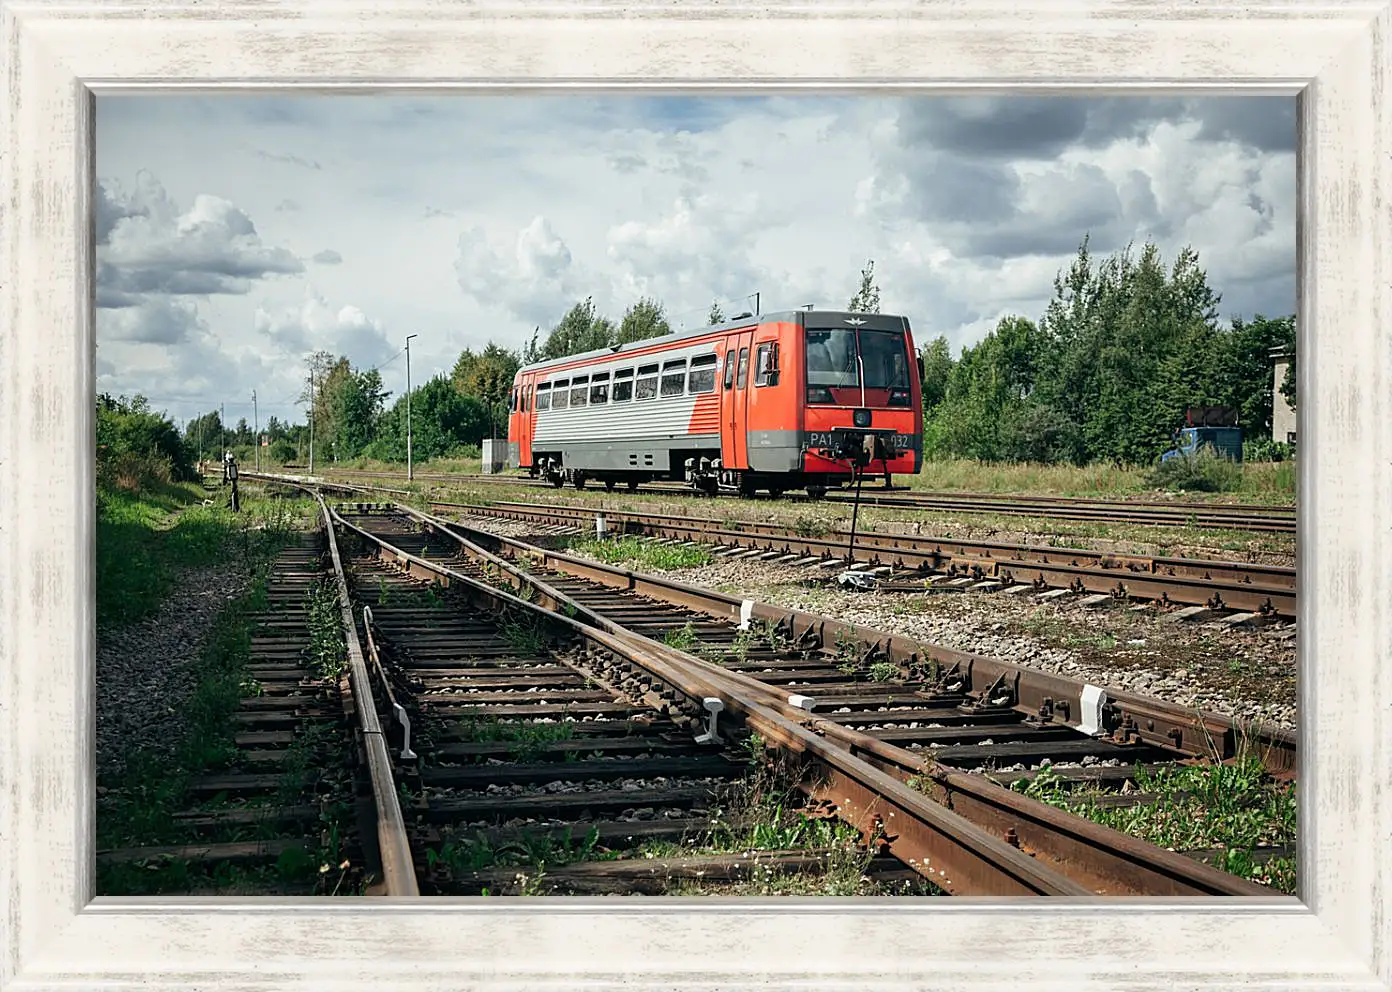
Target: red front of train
x=801, y=399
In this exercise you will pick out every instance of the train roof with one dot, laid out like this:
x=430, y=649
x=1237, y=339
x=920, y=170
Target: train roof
x=803, y=318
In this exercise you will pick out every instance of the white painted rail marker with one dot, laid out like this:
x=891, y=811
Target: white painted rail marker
x=713, y=707
x=599, y=525
x=746, y=613
x=1090, y=719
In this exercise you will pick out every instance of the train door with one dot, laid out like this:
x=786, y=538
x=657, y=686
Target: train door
x=734, y=402
x=525, y=422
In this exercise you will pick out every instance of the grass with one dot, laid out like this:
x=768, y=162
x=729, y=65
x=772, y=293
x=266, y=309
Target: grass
x=145, y=538
x=641, y=554
x=1235, y=808
x=1263, y=481
x=527, y=739
x=1273, y=482
x=759, y=812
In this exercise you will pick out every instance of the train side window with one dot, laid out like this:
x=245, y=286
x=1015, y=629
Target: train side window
x=623, y=385
x=743, y=369
x=674, y=377
x=729, y=368
x=761, y=364
x=579, y=389
x=561, y=395
x=702, y=377
x=599, y=388
x=543, y=397
x=647, y=382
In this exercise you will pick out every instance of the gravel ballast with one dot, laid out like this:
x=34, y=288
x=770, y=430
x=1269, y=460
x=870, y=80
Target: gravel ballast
x=144, y=670
x=1248, y=673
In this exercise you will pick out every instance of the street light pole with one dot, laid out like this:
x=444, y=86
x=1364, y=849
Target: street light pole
x=409, y=473
x=311, y=420
x=255, y=430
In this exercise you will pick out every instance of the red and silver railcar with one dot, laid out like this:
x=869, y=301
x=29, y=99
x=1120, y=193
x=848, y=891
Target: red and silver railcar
x=802, y=399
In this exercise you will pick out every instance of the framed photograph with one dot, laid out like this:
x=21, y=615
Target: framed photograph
x=600, y=185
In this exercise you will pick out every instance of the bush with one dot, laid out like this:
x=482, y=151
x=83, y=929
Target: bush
x=1267, y=450
x=1203, y=472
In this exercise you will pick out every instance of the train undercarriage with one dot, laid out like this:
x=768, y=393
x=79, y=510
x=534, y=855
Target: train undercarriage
x=705, y=475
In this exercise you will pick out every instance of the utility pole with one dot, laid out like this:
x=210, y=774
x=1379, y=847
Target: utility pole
x=311, y=420
x=409, y=474
x=255, y=430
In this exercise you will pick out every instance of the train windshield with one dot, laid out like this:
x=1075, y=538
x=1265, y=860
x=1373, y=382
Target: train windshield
x=837, y=358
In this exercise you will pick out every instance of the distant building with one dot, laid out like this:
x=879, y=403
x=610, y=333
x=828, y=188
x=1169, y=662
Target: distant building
x=1282, y=415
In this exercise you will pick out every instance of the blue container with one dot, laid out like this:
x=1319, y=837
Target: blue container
x=1225, y=442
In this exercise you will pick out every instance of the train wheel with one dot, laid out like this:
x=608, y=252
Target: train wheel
x=816, y=492
x=579, y=480
x=633, y=485
x=776, y=493
x=609, y=485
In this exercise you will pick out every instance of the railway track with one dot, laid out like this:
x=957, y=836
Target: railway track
x=1195, y=589
x=528, y=772
x=1263, y=518
x=280, y=806
x=887, y=755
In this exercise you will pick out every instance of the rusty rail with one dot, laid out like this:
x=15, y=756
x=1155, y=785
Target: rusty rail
x=1269, y=590
x=954, y=853
x=1101, y=859
x=1263, y=518
x=398, y=867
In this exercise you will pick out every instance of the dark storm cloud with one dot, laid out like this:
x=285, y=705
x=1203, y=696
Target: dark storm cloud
x=990, y=179
x=1013, y=127
x=950, y=188
x=1264, y=123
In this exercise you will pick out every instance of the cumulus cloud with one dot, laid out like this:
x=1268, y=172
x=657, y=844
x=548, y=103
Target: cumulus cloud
x=996, y=180
x=969, y=207
x=157, y=320
x=151, y=251
x=535, y=281
x=148, y=244
x=328, y=257
x=697, y=249
x=316, y=324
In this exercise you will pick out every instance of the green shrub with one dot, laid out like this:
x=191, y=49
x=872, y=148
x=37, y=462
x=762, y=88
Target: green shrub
x=1202, y=471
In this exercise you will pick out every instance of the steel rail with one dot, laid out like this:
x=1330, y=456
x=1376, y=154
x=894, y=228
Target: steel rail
x=1274, y=518
x=1053, y=698
x=1270, y=590
x=1189, y=582
x=1103, y=859
x=951, y=851
x=398, y=867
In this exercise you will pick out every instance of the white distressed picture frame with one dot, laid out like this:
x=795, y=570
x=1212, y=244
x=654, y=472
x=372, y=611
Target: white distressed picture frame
x=57, y=55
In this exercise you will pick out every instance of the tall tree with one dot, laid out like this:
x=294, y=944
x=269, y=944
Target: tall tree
x=716, y=315
x=937, y=370
x=488, y=377
x=580, y=330
x=643, y=320
x=867, y=298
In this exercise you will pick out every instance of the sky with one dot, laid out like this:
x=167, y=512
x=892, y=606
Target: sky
x=238, y=234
